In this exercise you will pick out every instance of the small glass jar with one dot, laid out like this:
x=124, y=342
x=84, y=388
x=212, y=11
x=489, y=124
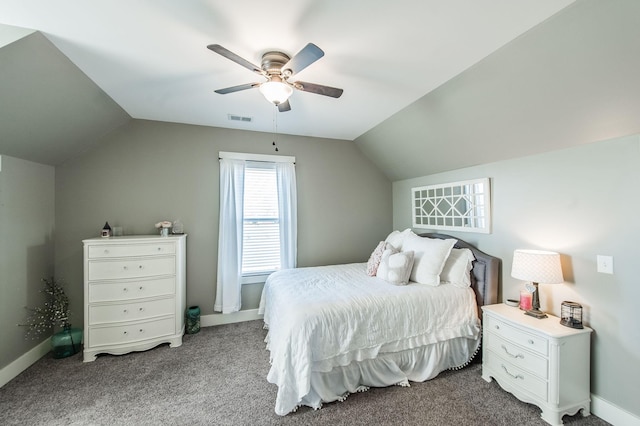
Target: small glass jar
x=178, y=227
x=525, y=300
x=193, y=320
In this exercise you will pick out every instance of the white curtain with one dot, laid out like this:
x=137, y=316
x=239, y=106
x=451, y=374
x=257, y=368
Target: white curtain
x=230, y=236
x=288, y=210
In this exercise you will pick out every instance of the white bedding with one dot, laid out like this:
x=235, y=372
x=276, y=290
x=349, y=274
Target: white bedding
x=324, y=319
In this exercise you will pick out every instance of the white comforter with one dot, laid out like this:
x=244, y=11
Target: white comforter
x=324, y=317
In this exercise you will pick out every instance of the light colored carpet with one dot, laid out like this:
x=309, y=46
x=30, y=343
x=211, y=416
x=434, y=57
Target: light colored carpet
x=218, y=377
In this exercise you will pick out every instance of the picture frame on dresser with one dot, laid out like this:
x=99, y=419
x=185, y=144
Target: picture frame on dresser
x=134, y=293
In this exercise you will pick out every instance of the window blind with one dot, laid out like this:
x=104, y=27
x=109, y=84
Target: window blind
x=261, y=240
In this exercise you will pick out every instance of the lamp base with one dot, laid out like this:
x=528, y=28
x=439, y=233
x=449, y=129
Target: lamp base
x=536, y=313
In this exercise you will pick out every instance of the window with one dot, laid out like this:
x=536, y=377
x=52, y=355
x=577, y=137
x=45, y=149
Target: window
x=261, y=225
x=257, y=233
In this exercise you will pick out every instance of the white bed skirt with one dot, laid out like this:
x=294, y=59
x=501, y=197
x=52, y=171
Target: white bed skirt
x=396, y=368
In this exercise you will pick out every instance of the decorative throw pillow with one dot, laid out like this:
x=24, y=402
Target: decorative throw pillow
x=457, y=268
x=374, y=259
x=396, y=238
x=430, y=255
x=395, y=267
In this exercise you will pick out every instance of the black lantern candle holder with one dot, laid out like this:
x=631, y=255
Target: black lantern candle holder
x=571, y=314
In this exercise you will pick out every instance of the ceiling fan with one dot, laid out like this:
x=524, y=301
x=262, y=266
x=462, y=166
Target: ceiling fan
x=278, y=68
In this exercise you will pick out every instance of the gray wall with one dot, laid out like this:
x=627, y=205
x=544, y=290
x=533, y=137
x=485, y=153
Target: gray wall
x=50, y=109
x=27, y=205
x=580, y=202
x=150, y=171
x=571, y=80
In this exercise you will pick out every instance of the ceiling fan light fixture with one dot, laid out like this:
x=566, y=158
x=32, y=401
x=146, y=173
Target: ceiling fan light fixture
x=276, y=92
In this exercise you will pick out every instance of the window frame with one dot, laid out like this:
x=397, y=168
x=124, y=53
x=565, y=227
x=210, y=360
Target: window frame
x=256, y=277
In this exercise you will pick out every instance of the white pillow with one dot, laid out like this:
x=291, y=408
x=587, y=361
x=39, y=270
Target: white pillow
x=396, y=238
x=395, y=267
x=430, y=255
x=374, y=259
x=457, y=268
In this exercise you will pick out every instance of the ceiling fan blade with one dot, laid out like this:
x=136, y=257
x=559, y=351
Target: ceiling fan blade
x=235, y=58
x=318, y=89
x=308, y=55
x=237, y=88
x=284, y=106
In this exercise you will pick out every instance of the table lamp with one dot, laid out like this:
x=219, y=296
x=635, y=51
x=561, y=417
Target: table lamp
x=537, y=266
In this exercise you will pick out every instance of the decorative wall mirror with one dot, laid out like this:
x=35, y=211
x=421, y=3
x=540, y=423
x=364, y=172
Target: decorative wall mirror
x=458, y=206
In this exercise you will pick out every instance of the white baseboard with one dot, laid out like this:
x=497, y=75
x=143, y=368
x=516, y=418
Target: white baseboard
x=240, y=316
x=25, y=361
x=612, y=413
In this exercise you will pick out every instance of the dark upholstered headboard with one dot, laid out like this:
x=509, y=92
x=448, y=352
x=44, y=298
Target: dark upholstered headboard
x=485, y=273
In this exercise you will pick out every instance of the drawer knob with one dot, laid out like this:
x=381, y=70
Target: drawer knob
x=141, y=309
x=140, y=267
x=497, y=327
x=106, y=251
x=515, y=376
x=125, y=311
x=531, y=342
x=510, y=354
x=140, y=288
x=125, y=289
x=141, y=330
x=159, y=248
x=125, y=332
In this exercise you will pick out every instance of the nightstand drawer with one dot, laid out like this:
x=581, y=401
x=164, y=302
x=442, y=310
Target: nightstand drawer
x=511, y=376
x=512, y=334
x=517, y=355
x=113, y=250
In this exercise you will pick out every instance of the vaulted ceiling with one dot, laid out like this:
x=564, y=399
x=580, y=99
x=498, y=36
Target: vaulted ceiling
x=93, y=65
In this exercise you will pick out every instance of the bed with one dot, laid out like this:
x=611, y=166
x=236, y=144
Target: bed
x=336, y=330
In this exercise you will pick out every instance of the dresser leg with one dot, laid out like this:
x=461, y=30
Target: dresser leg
x=552, y=417
x=176, y=342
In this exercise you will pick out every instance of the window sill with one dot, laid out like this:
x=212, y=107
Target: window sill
x=255, y=278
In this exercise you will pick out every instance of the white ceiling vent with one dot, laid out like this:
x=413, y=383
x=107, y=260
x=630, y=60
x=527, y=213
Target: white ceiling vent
x=234, y=117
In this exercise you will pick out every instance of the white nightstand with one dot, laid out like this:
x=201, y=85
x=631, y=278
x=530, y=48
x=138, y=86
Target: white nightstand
x=537, y=360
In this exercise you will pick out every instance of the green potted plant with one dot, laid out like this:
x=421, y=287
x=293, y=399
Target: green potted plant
x=54, y=313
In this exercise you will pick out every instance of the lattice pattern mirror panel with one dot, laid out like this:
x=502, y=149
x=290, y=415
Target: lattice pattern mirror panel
x=457, y=206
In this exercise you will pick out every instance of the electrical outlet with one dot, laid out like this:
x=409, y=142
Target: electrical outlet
x=605, y=264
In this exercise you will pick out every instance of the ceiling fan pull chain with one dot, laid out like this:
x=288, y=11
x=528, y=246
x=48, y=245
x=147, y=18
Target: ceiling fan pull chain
x=275, y=128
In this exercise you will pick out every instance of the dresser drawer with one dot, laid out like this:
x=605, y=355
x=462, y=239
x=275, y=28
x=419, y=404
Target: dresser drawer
x=517, y=355
x=128, y=290
x=131, y=333
x=100, y=314
x=515, y=335
x=128, y=250
x=134, y=268
x=515, y=377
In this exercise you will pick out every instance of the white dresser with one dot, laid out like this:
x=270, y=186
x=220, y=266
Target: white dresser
x=539, y=361
x=134, y=293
